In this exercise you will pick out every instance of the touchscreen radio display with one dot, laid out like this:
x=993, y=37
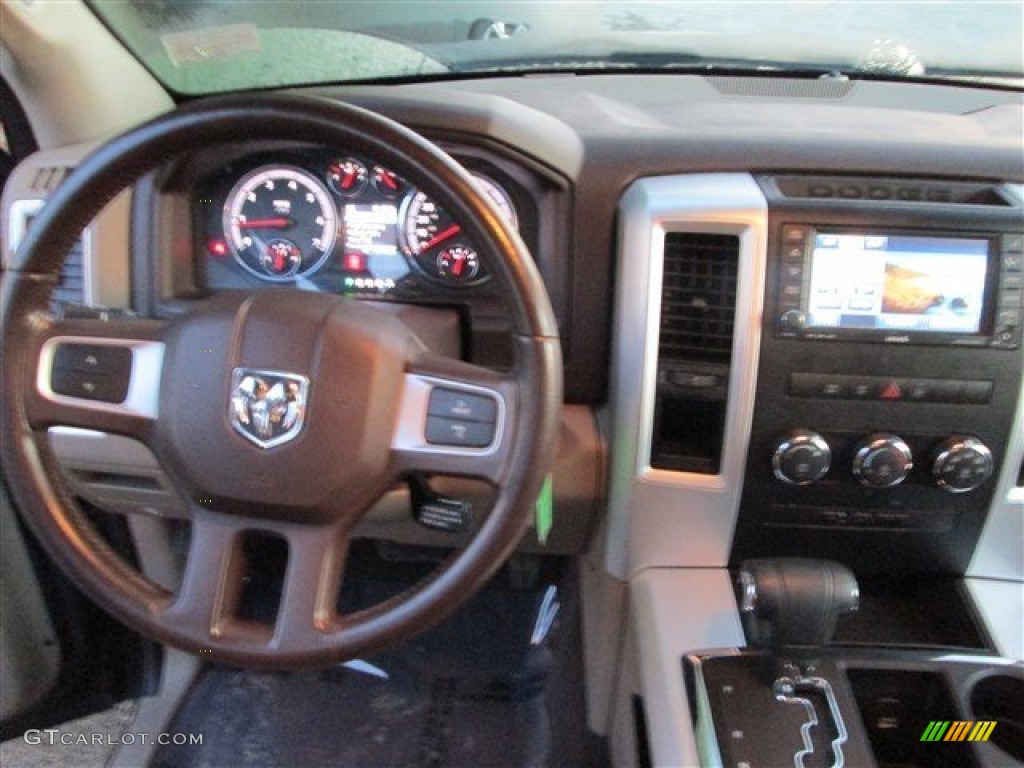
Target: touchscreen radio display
x=897, y=283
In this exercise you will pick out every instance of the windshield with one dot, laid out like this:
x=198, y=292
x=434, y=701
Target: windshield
x=207, y=46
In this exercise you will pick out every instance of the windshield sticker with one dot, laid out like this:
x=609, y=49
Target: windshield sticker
x=198, y=45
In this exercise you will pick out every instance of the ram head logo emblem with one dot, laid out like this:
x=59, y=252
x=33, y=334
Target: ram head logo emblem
x=268, y=408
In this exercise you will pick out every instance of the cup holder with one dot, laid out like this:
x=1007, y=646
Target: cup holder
x=1000, y=698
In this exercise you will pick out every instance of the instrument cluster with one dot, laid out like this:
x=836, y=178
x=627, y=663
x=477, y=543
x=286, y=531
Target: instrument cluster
x=341, y=223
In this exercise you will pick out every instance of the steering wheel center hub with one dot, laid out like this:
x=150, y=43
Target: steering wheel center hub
x=280, y=404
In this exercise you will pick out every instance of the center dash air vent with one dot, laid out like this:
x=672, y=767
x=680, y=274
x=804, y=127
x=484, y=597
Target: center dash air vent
x=698, y=297
x=698, y=307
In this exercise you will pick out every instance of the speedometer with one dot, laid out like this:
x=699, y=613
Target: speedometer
x=280, y=223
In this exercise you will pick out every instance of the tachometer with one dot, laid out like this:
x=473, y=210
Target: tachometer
x=280, y=223
x=435, y=240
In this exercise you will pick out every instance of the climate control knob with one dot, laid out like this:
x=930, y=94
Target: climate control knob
x=801, y=457
x=882, y=460
x=961, y=464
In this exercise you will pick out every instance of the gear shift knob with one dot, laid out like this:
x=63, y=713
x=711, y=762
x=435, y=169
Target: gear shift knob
x=789, y=603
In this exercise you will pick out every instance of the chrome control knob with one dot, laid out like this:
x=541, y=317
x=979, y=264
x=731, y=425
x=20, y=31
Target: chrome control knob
x=961, y=464
x=882, y=460
x=801, y=457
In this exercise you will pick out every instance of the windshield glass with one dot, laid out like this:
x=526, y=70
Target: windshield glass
x=206, y=46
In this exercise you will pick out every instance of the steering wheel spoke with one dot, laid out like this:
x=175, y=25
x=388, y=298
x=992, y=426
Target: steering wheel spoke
x=209, y=603
x=95, y=374
x=308, y=616
x=454, y=419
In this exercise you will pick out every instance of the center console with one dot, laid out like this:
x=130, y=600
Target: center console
x=827, y=367
x=889, y=372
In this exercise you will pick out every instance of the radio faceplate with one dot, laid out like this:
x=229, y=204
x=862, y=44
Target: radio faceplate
x=899, y=286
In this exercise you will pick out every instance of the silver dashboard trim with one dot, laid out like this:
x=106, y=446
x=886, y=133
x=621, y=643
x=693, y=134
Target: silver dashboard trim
x=659, y=517
x=143, y=398
x=21, y=211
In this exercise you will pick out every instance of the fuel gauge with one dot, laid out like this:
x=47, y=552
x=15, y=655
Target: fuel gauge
x=347, y=177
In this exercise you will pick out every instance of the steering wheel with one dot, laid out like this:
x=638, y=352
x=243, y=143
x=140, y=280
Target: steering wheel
x=282, y=412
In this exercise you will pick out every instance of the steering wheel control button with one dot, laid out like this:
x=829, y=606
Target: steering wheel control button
x=89, y=386
x=882, y=461
x=462, y=406
x=961, y=464
x=801, y=458
x=99, y=372
x=457, y=433
x=94, y=358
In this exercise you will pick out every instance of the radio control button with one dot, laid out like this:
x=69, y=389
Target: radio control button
x=794, y=234
x=792, y=320
x=1012, y=281
x=793, y=253
x=882, y=461
x=961, y=464
x=1013, y=243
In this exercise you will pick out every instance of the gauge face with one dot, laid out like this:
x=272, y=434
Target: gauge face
x=280, y=223
x=388, y=183
x=500, y=198
x=458, y=264
x=348, y=177
x=436, y=241
x=425, y=225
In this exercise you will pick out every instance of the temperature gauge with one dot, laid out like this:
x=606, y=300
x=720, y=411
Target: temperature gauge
x=458, y=264
x=388, y=183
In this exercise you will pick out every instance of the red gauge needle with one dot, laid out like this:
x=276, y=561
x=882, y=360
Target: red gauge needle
x=389, y=180
x=440, y=237
x=457, y=267
x=280, y=223
x=349, y=178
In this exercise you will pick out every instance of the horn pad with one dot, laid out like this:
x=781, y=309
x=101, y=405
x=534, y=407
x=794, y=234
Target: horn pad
x=281, y=404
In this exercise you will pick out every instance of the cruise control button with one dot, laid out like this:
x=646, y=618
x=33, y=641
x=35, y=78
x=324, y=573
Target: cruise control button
x=455, y=404
x=94, y=358
x=89, y=386
x=459, y=434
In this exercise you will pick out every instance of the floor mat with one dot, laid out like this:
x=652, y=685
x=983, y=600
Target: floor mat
x=472, y=692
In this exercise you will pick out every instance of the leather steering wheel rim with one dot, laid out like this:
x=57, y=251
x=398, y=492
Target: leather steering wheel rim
x=533, y=389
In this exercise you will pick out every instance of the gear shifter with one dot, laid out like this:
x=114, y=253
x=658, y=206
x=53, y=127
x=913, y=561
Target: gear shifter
x=784, y=701
x=792, y=604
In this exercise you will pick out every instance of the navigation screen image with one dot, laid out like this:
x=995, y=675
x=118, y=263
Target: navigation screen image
x=898, y=283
